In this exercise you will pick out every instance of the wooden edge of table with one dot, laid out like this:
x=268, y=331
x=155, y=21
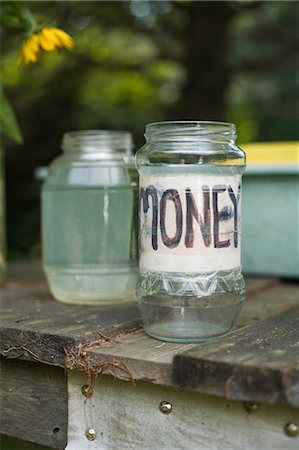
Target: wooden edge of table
x=255, y=363
x=104, y=345
x=34, y=403
x=258, y=362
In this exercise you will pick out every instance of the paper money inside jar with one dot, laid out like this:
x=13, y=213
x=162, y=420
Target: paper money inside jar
x=190, y=286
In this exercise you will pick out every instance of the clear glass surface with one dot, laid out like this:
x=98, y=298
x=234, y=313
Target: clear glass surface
x=89, y=241
x=190, y=308
x=194, y=305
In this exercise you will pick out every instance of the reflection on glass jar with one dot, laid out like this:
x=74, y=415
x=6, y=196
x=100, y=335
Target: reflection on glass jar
x=89, y=244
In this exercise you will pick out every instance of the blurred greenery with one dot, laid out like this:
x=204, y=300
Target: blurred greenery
x=8, y=122
x=136, y=62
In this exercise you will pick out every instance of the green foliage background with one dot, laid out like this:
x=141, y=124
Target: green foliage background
x=136, y=62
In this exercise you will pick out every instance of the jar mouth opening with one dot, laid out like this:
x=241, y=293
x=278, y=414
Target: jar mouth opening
x=98, y=141
x=190, y=131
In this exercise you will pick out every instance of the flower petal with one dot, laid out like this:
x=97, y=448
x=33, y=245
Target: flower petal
x=45, y=43
x=29, y=51
x=65, y=39
x=50, y=36
x=33, y=42
x=50, y=39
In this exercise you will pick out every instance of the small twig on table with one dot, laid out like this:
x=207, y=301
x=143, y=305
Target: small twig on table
x=27, y=350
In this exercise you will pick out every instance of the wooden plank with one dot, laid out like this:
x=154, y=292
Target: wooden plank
x=258, y=362
x=266, y=297
x=149, y=359
x=34, y=403
x=36, y=327
x=134, y=356
x=126, y=416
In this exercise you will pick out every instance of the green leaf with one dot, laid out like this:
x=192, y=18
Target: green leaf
x=8, y=122
x=9, y=16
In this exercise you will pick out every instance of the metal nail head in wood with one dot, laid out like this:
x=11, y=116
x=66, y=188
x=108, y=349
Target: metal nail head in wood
x=291, y=429
x=165, y=407
x=86, y=391
x=90, y=434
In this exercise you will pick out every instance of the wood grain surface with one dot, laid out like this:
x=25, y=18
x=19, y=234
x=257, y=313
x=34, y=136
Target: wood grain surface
x=126, y=416
x=258, y=362
x=35, y=327
x=34, y=403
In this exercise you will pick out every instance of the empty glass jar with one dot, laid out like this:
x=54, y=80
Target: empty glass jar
x=89, y=241
x=190, y=287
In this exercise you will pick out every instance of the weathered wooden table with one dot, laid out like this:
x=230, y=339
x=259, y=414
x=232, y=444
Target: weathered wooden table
x=89, y=377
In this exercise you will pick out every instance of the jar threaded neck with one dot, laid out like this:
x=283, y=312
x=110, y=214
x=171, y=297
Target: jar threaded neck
x=98, y=141
x=190, y=132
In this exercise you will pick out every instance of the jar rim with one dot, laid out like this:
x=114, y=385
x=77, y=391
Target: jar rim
x=97, y=140
x=190, y=131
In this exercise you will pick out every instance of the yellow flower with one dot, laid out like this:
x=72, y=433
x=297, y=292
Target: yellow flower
x=48, y=39
x=52, y=38
x=29, y=51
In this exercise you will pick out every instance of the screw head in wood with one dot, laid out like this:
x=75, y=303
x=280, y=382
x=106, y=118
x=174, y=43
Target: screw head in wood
x=165, y=407
x=291, y=429
x=90, y=434
x=86, y=390
x=251, y=406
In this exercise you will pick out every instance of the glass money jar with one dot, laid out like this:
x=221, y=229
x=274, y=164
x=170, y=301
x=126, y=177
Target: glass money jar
x=190, y=287
x=89, y=244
